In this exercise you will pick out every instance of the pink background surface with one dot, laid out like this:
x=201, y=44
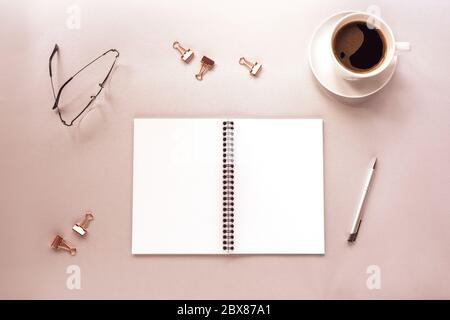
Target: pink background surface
x=50, y=174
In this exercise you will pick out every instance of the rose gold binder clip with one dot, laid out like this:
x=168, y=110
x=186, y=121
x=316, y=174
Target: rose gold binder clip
x=186, y=55
x=253, y=67
x=81, y=228
x=60, y=244
x=207, y=64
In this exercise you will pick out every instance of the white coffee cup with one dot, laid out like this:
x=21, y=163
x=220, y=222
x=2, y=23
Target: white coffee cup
x=393, y=48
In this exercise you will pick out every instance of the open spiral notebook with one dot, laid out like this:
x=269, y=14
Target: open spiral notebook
x=228, y=186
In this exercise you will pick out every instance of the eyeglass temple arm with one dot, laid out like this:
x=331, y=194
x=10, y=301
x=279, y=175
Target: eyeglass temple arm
x=112, y=66
x=57, y=97
x=55, y=50
x=55, y=105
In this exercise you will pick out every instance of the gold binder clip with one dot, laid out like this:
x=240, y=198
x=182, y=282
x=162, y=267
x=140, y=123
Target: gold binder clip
x=60, y=244
x=207, y=64
x=186, y=55
x=253, y=67
x=81, y=228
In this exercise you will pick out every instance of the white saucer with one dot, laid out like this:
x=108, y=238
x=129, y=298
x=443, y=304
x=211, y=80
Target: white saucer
x=321, y=65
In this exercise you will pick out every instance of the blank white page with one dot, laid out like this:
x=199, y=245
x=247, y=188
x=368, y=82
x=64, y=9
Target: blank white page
x=279, y=186
x=177, y=186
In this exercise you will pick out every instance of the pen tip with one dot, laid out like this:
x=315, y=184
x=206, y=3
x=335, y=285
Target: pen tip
x=373, y=163
x=352, y=237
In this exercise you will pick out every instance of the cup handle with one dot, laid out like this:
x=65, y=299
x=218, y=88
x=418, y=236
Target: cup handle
x=402, y=47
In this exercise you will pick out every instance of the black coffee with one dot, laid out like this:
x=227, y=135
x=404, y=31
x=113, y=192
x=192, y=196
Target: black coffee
x=359, y=48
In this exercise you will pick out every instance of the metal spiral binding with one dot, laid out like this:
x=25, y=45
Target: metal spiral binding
x=228, y=185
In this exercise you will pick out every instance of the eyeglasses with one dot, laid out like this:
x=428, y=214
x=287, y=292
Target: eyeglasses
x=57, y=96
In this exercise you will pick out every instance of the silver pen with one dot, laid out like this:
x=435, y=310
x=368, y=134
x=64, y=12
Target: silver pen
x=358, y=218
